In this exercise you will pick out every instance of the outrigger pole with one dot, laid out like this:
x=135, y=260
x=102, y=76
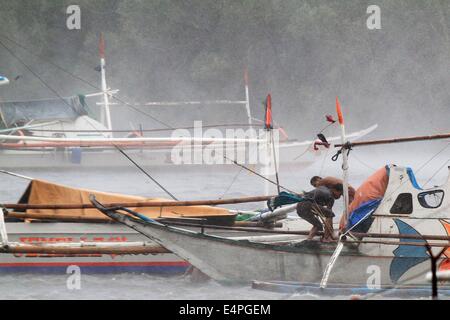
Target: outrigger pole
x=394, y=140
x=149, y=204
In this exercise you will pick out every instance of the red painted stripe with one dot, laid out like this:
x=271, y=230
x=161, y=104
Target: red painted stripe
x=93, y=264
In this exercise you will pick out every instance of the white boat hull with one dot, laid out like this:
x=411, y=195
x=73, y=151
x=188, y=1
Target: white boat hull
x=45, y=233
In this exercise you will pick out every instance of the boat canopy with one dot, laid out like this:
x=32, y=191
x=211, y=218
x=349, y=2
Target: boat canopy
x=22, y=112
x=44, y=192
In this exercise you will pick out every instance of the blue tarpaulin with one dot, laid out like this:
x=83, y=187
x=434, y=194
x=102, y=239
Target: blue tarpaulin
x=363, y=212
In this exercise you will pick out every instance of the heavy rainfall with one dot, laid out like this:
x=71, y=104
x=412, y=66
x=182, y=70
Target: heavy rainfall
x=175, y=63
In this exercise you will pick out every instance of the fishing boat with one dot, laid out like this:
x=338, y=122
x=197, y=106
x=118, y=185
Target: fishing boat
x=225, y=259
x=67, y=132
x=388, y=239
x=54, y=226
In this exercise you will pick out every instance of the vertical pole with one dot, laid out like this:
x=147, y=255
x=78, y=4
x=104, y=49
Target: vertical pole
x=268, y=161
x=340, y=244
x=247, y=100
x=107, y=113
x=434, y=280
x=434, y=286
x=3, y=232
x=275, y=164
x=344, y=159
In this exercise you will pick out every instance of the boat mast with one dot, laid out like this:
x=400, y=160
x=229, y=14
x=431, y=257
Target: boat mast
x=270, y=162
x=344, y=159
x=105, y=111
x=247, y=100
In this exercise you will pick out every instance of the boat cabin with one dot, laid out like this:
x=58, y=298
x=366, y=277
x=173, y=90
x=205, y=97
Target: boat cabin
x=51, y=118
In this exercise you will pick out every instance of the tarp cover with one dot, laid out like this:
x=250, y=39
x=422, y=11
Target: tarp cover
x=43, y=192
x=42, y=110
x=373, y=188
x=282, y=199
x=363, y=212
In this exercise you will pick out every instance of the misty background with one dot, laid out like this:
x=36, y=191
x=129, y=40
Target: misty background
x=302, y=52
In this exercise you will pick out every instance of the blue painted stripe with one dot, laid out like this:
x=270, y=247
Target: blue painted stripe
x=163, y=270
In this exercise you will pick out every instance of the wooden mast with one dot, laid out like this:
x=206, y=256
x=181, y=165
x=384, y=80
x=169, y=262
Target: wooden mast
x=107, y=112
x=344, y=158
x=247, y=100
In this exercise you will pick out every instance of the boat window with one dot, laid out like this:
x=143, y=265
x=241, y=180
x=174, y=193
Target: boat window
x=403, y=204
x=431, y=199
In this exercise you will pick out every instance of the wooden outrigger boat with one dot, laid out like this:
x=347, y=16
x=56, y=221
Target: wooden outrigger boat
x=396, y=260
x=54, y=226
x=64, y=132
x=386, y=242
x=394, y=248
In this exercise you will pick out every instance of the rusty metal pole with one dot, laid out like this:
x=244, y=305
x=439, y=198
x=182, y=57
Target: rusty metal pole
x=434, y=280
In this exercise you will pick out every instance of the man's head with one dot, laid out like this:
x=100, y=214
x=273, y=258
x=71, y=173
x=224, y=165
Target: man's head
x=314, y=180
x=337, y=190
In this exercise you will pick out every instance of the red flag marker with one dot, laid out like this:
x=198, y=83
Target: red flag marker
x=330, y=118
x=268, y=119
x=101, y=47
x=339, y=112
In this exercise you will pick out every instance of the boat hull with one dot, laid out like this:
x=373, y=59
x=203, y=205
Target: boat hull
x=63, y=233
x=59, y=233
x=108, y=157
x=228, y=260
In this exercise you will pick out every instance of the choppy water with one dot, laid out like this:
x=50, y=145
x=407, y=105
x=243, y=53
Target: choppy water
x=192, y=184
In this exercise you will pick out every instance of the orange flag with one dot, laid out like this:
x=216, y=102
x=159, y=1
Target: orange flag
x=339, y=112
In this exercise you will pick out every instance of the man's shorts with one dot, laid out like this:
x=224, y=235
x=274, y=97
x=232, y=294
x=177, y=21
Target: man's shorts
x=305, y=211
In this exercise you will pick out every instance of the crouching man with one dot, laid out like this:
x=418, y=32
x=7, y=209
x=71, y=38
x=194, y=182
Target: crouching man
x=317, y=210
